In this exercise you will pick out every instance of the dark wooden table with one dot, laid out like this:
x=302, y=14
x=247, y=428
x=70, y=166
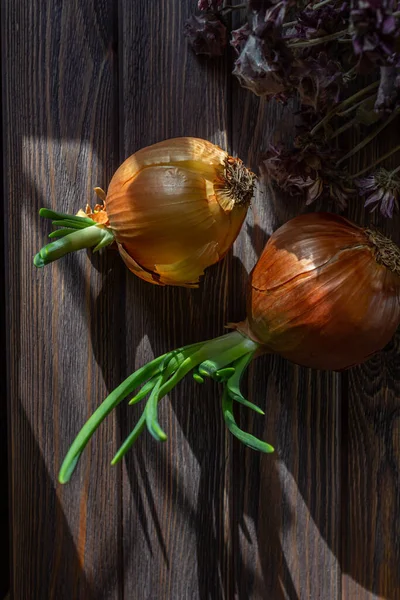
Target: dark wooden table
x=85, y=84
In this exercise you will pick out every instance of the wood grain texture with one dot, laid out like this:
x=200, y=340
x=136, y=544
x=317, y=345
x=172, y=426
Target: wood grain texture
x=200, y=517
x=370, y=448
x=59, y=81
x=4, y=498
x=288, y=504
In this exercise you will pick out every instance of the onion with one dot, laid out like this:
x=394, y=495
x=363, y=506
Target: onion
x=325, y=293
x=173, y=209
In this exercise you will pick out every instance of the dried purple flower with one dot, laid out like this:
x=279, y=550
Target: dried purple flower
x=239, y=37
x=382, y=189
x=319, y=22
x=374, y=31
x=260, y=67
x=265, y=61
x=209, y=4
x=269, y=20
x=293, y=171
x=339, y=187
x=206, y=34
x=308, y=171
x=319, y=81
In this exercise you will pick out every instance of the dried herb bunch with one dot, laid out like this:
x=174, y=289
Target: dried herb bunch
x=341, y=61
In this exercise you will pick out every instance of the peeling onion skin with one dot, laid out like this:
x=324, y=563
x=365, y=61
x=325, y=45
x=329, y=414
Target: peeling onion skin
x=171, y=238
x=318, y=297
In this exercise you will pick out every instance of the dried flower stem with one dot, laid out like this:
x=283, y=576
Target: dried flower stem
x=346, y=112
x=230, y=7
x=376, y=162
x=369, y=138
x=320, y=4
x=349, y=101
x=320, y=40
x=344, y=127
x=289, y=24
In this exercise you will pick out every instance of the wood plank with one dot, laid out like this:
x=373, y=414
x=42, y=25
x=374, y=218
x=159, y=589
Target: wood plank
x=176, y=496
x=4, y=500
x=59, y=84
x=371, y=443
x=288, y=504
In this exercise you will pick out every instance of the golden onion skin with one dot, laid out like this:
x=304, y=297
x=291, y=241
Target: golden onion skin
x=318, y=295
x=170, y=213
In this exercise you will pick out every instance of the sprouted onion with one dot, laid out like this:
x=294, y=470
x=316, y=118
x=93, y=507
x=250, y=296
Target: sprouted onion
x=325, y=293
x=173, y=209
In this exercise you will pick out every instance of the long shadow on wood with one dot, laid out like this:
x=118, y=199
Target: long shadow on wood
x=50, y=564
x=195, y=408
x=219, y=480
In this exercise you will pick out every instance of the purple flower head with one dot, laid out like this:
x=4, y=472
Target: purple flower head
x=209, y=4
x=381, y=189
x=319, y=81
x=319, y=22
x=309, y=171
x=265, y=61
x=261, y=67
x=206, y=34
x=240, y=37
x=374, y=31
x=269, y=21
x=294, y=171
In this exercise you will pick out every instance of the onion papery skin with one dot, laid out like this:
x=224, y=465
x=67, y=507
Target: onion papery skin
x=318, y=296
x=172, y=210
x=170, y=213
